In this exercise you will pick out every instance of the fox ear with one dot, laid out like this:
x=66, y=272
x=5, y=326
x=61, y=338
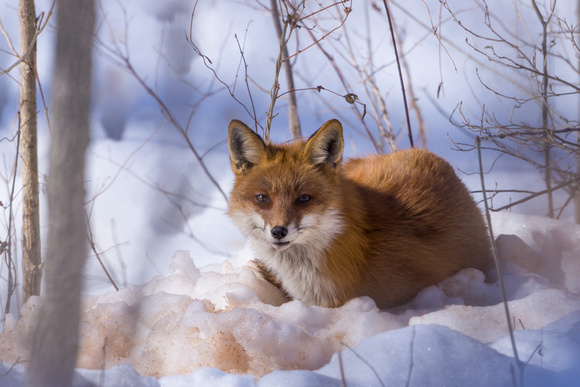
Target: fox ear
x=246, y=147
x=326, y=144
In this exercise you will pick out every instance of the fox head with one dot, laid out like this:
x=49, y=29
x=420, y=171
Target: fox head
x=286, y=195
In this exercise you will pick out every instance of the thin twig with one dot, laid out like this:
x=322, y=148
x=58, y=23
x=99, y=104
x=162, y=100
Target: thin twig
x=545, y=110
x=538, y=347
x=410, y=133
x=293, y=120
x=89, y=233
x=8, y=40
x=39, y=30
x=342, y=21
x=243, y=60
x=283, y=40
x=365, y=361
x=536, y=194
x=341, y=367
x=346, y=85
x=18, y=361
x=496, y=259
x=420, y=123
x=102, y=376
x=207, y=63
x=10, y=261
x=411, y=352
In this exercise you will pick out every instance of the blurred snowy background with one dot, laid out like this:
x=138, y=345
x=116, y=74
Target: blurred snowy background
x=155, y=99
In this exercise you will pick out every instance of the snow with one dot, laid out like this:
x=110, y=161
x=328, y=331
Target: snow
x=219, y=325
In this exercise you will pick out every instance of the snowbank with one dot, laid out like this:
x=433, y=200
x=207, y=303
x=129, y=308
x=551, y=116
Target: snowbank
x=170, y=330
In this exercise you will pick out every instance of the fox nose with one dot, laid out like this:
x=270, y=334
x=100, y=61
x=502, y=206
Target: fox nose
x=279, y=232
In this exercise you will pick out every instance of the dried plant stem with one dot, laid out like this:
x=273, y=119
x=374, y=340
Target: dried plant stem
x=43, y=22
x=293, y=120
x=536, y=194
x=497, y=263
x=545, y=112
x=365, y=362
x=411, y=354
x=276, y=85
x=243, y=60
x=409, y=131
x=8, y=244
x=346, y=86
x=341, y=367
x=94, y=248
x=208, y=64
x=420, y=125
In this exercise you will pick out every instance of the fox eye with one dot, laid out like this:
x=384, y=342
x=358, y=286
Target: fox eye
x=304, y=198
x=261, y=198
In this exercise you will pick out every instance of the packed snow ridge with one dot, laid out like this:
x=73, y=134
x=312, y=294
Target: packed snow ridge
x=170, y=330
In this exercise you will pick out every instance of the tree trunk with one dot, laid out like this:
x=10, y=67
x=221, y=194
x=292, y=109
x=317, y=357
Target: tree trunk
x=577, y=193
x=31, y=259
x=55, y=338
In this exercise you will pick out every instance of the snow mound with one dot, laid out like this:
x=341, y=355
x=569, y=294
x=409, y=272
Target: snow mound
x=221, y=324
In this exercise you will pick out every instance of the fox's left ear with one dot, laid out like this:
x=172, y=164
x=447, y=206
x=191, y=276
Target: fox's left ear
x=326, y=144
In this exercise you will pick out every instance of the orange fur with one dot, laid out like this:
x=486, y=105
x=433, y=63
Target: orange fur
x=384, y=226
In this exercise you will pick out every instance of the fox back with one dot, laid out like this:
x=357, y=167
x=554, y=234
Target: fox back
x=384, y=226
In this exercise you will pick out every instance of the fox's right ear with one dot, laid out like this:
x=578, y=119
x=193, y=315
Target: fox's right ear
x=246, y=147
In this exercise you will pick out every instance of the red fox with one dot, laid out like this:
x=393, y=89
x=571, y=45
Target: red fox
x=324, y=232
